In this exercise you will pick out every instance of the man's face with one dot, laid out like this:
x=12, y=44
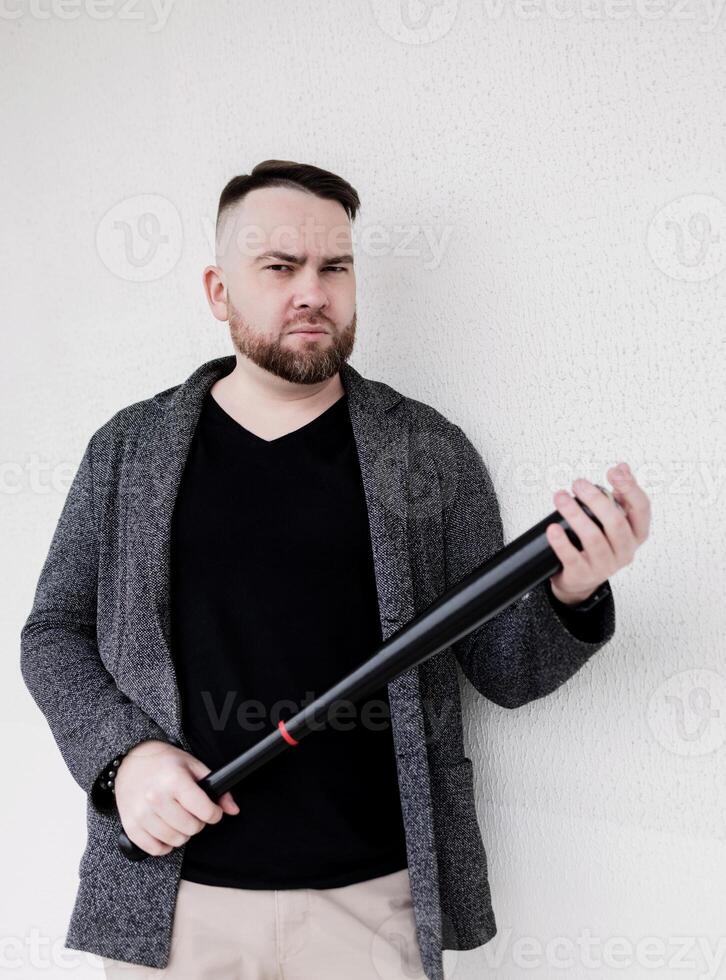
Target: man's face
x=309, y=284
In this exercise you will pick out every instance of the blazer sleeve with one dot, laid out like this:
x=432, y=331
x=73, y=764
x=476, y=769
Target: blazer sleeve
x=90, y=719
x=534, y=645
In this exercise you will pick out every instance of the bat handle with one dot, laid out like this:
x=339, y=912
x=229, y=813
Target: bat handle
x=132, y=851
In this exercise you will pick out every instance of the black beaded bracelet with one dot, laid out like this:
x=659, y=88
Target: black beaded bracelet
x=110, y=774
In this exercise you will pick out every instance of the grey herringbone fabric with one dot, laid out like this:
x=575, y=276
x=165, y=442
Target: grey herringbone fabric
x=95, y=648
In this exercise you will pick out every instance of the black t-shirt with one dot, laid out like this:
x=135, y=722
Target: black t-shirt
x=273, y=600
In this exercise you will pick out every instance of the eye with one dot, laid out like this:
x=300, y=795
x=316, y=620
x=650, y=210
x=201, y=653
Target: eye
x=338, y=268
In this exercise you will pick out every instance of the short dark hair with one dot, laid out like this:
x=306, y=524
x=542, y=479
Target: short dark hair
x=287, y=173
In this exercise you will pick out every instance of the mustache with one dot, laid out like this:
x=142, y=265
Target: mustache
x=314, y=323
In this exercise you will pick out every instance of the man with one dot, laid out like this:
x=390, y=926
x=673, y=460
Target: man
x=232, y=547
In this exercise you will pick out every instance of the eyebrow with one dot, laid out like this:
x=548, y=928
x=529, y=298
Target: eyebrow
x=299, y=260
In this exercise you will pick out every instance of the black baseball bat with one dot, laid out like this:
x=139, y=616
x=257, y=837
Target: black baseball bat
x=492, y=586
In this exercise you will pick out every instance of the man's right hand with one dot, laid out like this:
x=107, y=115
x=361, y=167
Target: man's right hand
x=158, y=799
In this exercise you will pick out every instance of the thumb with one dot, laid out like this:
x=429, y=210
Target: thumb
x=199, y=770
x=196, y=767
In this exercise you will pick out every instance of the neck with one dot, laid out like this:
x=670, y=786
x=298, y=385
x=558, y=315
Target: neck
x=250, y=390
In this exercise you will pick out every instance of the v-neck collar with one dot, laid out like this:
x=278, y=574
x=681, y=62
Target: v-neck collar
x=222, y=416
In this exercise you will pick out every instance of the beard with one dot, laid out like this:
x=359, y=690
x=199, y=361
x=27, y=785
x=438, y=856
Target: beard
x=309, y=363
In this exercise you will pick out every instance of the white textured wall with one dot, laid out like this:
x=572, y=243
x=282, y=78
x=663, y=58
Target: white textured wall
x=567, y=161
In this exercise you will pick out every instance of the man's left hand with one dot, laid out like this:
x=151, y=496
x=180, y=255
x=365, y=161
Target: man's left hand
x=604, y=552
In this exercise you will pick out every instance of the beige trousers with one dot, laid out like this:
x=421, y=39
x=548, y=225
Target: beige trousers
x=364, y=931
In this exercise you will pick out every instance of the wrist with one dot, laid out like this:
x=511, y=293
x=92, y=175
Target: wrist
x=569, y=598
x=586, y=602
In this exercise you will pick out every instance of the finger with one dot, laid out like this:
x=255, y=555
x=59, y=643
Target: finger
x=570, y=558
x=596, y=546
x=158, y=828
x=228, y=803
x=147, y=842
x=614, y=521
x=191, y=795
x=634, y=500
x=178, y=818
x=193, y=798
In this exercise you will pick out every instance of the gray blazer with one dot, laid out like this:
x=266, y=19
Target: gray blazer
x=96, y=658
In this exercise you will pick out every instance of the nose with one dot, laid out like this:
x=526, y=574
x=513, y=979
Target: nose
x=309, y=292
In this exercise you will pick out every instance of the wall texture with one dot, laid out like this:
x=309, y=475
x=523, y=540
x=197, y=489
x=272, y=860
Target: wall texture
x=541, y=255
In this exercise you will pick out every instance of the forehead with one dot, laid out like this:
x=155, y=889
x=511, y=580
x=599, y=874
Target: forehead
x=287, y=220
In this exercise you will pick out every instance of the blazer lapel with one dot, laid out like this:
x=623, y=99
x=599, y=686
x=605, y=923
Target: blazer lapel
x=159, y=464
x=382, y=441
x=382, y=446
